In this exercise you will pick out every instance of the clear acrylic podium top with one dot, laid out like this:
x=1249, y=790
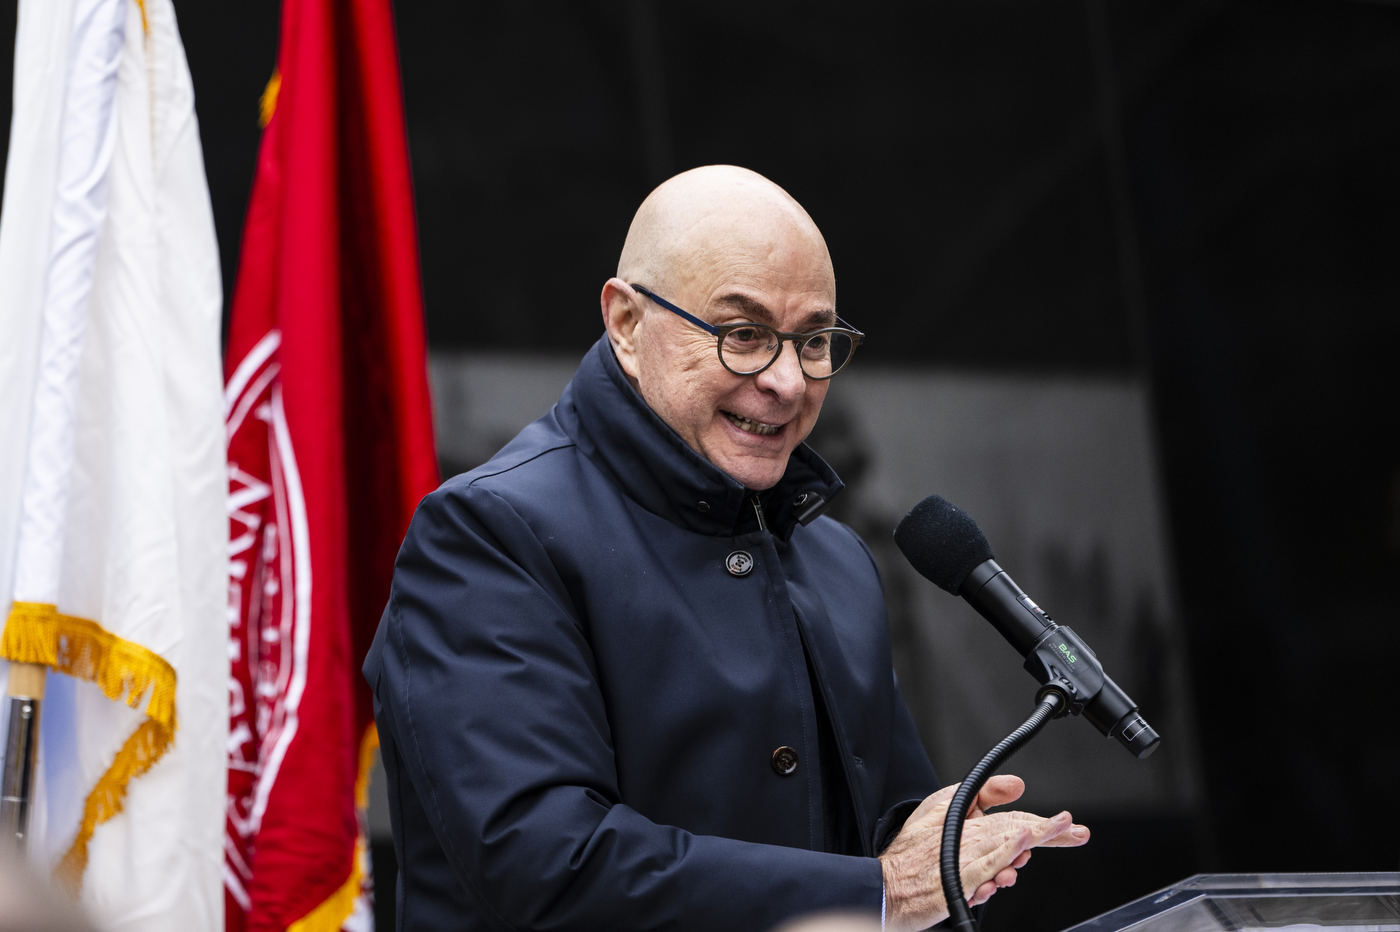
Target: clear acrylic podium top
x=1250, y=902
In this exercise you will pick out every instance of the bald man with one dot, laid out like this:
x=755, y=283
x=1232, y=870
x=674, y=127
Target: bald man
x=628, y=676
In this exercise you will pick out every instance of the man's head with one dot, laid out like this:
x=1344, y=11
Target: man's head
x=728, y=246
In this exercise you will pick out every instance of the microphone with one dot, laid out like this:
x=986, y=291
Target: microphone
x=945, y=545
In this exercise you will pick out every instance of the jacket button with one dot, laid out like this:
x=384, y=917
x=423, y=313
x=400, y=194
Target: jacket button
x=739, y=563
x=785, y=761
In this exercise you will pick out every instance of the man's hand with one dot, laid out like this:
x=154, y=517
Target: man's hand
x=993, y=847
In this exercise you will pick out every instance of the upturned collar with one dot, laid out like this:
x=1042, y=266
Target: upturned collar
x=619, y=432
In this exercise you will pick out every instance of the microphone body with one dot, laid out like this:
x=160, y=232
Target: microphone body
x=945, y=545
x=1058, y=658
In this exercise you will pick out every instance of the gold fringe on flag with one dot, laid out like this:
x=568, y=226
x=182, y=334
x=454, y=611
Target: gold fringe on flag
x=138, y=755
x=122, y=669
x=36, y=633
x=332, y=913
x=267, y=103
x=369, y=743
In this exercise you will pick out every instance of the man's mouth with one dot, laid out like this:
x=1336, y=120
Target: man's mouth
x=751, y=426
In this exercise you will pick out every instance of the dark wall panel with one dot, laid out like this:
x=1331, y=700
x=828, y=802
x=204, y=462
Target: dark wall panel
x=949, y=151
x=1268, y=198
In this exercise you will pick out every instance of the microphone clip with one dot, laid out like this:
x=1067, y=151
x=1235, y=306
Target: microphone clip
x=1061, y=662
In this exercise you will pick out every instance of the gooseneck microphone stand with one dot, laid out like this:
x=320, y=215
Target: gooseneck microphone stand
x=1052, y=704
x=947, y=548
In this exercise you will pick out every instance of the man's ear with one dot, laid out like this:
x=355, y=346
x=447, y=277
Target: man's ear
x=622, y=316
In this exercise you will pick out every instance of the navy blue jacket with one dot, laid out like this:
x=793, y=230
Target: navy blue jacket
x=578, y=704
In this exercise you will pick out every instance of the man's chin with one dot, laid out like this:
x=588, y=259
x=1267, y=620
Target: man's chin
x=758, y=473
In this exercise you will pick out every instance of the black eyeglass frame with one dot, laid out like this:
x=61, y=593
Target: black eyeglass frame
x=724, y=330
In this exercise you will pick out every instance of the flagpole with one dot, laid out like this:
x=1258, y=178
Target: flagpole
x=26, y=692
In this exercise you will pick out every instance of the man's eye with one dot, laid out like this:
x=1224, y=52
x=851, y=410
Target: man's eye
x=817, y=347
x=747, y=336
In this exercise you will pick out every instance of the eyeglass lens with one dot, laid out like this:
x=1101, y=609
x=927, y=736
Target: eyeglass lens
x=822, y=354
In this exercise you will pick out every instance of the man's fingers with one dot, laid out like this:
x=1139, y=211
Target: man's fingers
x=989, y=856
x=1000, y=844
x=991, y=851
x=1000, y=790
x=982, y=894
x=1072, y=837
x=1060, y=832
x=998, y=823
x=994, y=846
x=1052, y=828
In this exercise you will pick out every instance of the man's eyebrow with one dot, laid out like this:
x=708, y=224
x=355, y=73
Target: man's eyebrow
x=753, y=310
x=759, y=313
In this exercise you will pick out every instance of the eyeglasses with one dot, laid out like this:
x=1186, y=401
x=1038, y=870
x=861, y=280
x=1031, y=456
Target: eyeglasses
x=748, y=349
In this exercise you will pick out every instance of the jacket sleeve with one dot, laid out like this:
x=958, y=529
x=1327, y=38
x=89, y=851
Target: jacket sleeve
x=489, y=685
x=910, y=777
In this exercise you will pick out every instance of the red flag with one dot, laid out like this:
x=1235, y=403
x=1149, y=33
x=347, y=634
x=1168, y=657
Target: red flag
x=330, y=449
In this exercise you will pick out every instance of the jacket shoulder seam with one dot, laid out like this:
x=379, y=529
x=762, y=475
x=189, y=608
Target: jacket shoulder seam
x=505, y=469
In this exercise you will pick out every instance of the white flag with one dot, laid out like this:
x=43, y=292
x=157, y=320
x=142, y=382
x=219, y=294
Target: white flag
x=113, y=529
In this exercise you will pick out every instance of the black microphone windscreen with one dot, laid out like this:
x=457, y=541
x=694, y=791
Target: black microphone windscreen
x=942, y=542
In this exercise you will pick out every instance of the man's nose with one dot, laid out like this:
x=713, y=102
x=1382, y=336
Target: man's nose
x=784, y=378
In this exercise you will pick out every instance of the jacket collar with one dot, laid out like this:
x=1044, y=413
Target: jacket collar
x=619, y=432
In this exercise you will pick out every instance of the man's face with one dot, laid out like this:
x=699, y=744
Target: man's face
x=748, y=426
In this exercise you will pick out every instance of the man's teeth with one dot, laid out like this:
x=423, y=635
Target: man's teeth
x=752, y=426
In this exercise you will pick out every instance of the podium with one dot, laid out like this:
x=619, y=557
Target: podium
x=1250, y=902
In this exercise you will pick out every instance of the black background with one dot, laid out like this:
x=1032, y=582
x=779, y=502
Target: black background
x=1202, y=195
